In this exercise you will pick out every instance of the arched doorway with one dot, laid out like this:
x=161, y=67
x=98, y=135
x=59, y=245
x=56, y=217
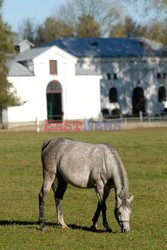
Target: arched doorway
x=54, y=101
x=113, y=97
x=162, y=94
x=138, y=101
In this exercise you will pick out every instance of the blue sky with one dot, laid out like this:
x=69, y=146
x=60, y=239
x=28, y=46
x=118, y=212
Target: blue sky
x=15, y=11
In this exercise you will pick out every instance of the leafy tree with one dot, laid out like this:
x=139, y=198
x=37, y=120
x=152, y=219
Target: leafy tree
x=87, y=27
x=145, y=18
x=52, y=29
x=156, y=31
x=94, y=18
x=100, y=14
x=125, y=29
x=6, y=48
x=80, y=18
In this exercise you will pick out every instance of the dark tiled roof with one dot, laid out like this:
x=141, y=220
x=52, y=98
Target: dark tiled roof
x=108, y=47
x=17, y=69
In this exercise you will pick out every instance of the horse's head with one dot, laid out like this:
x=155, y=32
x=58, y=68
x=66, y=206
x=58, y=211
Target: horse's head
x=122, y=213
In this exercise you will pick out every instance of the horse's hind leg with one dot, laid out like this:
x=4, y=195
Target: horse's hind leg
x=58, y=194
x=47, y=183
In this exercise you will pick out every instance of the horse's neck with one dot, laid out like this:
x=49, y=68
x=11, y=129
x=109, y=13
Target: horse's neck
x=120, y=183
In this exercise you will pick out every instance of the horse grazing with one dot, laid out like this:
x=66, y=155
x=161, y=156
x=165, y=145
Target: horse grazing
x=85, y=165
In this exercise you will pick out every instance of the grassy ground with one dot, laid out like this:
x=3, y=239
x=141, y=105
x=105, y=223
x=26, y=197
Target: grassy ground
x=144, y=155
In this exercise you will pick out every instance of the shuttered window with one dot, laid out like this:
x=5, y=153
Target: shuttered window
x=53, y=67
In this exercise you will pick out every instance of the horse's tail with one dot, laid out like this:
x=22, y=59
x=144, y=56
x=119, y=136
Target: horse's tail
x=45, y=144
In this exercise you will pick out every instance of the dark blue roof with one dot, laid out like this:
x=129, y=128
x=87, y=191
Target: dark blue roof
x=107, y=47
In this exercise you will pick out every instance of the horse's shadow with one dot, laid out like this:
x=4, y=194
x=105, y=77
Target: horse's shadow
x=49, y=224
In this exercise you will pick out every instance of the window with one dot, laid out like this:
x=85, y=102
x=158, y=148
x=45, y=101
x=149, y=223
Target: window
x=112, y=76
x=54, y=87
x=17, y=48
x=115, y=76
x=113, y=95
x=159, y=75
x=164, y=75
x=53, y=67
x=138, y=101
x=109, y=76
x=162, y=94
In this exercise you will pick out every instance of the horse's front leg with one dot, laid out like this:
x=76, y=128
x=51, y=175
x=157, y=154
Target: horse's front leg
x=102, y=194
x=96, y=216
x=104, y=209
x=105, y=222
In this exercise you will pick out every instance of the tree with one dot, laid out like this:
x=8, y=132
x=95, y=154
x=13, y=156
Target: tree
x=128, y=28
x=94, y=18
x=28, y=30
x=101, y=14
x=156, y=31
x=80, y=18
x=143, y=12
x=147, y=18
x=6, y=48
x=87, y=27
x=52, y=29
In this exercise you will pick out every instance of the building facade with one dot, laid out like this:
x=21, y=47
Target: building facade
x=71, y=79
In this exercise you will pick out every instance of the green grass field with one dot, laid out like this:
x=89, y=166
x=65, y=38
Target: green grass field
x=144, y=153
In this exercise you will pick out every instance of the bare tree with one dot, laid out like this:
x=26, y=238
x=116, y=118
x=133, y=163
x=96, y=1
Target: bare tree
x=104, y=13
x=27, y=30
x=145, y=12
x=90, y=18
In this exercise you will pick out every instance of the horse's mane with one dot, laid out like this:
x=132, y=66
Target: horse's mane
x=124, y=193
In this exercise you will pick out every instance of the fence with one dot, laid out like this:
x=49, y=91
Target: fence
x=139, y=121
x=117, y=122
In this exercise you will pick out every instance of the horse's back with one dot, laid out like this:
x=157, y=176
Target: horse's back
x=79, y=163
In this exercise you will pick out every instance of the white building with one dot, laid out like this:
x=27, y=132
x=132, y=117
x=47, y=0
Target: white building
x=72, y=78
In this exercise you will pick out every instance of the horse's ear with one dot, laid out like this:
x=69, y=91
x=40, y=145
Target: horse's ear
x=131, y=199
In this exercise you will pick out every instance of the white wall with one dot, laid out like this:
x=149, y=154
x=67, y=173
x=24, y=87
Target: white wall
x=32, y=90
x=134, y=73
x=83, y=97
x=26, y=90
x=66, y=72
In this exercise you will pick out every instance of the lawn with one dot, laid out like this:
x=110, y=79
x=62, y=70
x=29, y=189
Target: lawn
x=143, y=152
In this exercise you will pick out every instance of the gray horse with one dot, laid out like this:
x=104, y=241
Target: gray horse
x=85, y=165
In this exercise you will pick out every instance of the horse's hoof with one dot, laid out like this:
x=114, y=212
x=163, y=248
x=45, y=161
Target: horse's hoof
x=109, y=230
x=65, y=227
x=94, y=228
